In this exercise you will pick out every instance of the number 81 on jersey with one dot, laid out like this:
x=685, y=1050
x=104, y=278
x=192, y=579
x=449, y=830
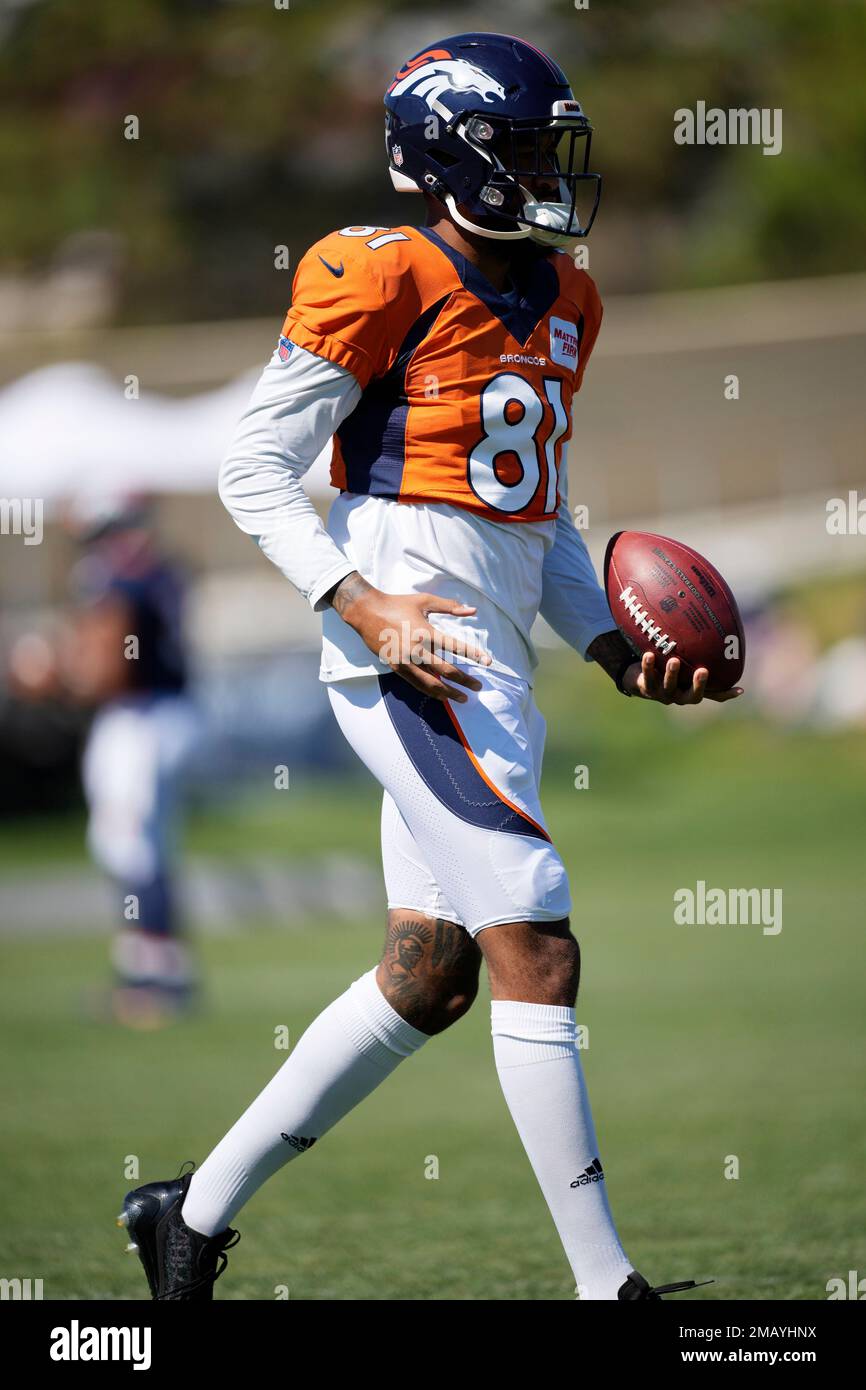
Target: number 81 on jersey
x=511, y=416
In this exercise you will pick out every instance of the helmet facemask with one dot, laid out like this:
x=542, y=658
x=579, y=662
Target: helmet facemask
x=540, y=185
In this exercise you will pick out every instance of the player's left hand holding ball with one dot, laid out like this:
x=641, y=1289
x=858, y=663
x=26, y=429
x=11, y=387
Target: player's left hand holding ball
x=645, y=679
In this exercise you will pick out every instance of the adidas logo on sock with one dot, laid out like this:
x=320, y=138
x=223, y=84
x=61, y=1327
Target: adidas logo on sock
x=594, y=1173
x=297, y=1142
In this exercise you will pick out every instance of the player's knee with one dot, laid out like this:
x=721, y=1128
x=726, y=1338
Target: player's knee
x=429, y=970
x=538, y=962
x=563, y=967
x=552, y=964
x=429, y=1002
x=456, y=996
x=446, y=1006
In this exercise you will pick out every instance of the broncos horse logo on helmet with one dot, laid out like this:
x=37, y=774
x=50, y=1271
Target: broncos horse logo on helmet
x=430, y=79
x=481, y=121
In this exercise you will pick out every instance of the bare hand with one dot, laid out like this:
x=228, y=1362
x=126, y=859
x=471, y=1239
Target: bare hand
x=643, y=678
x=396, y=629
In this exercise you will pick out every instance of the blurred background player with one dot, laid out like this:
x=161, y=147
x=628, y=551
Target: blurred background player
x=121, y=655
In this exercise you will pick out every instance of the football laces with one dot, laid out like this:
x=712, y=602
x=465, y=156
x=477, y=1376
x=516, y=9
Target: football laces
x=642, y=619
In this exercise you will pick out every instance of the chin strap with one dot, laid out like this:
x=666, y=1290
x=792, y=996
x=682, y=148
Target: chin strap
x=547, y=231
x=520, y=235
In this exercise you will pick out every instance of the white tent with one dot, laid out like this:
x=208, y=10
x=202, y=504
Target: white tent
x=68, y=430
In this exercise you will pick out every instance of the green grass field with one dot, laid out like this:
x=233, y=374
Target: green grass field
x=705, y=1042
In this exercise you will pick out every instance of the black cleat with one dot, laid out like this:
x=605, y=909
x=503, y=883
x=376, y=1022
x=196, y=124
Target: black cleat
x=180, y=1264
x=636, y=1286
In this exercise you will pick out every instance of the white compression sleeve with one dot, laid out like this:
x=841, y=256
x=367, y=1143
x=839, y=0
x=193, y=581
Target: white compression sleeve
x=572, y=600
x=295, y=408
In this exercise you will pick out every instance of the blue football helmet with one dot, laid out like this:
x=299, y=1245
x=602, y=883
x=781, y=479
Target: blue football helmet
x=489, y=125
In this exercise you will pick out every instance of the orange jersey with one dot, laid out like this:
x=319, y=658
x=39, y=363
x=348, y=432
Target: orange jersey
x=466, y=391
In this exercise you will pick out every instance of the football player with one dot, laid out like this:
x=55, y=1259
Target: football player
x=121, y=654
x=443, y=360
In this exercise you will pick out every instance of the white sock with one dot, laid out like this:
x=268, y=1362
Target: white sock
x=535, y=1046
x=344, y=1054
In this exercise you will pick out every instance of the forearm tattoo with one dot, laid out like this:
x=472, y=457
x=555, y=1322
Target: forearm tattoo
x=348, y=589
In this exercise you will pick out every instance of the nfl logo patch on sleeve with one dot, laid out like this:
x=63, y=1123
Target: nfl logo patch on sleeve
x=563, y=342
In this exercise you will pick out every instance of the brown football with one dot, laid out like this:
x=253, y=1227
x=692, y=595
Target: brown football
x=667, y=599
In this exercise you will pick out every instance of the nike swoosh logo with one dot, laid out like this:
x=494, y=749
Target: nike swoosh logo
x=333, y=269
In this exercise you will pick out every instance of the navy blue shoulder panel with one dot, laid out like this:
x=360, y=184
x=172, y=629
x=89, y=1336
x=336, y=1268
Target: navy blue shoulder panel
x=521, y=308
